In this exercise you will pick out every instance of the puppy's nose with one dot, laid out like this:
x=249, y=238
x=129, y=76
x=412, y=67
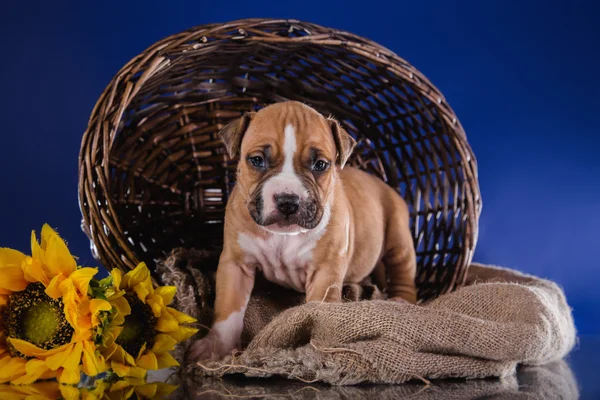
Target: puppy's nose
x=287, y=204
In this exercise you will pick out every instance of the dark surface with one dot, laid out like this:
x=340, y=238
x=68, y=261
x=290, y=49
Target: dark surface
x=575, y=377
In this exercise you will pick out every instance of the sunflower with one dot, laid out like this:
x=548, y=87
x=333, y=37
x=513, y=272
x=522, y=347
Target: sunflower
x=47, y=319
x=52, y=390
x=144, y=329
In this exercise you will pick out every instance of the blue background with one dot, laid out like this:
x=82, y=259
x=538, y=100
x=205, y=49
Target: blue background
x=522, y=77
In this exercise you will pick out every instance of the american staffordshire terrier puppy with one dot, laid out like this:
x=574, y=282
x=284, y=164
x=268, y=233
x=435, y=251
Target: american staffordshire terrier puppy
x=303, y=219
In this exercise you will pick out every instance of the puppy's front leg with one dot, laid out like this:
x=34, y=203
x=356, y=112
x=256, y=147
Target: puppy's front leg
x=325, y=283
x=234, y=285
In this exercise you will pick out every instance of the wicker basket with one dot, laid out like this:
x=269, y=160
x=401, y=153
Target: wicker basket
x=154, y=176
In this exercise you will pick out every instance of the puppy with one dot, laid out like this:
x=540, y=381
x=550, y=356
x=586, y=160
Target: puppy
x=302, y=219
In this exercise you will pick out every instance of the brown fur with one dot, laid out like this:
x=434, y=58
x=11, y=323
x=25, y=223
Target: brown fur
x=367, y=216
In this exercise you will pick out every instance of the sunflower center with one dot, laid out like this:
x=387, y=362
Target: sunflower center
x=37, y=318
x=138, y=327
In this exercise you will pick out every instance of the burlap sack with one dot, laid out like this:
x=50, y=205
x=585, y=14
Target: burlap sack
x=500, y=319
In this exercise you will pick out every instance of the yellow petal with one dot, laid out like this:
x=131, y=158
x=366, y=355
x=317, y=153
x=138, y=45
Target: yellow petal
x=120, y=385
x=125, y=370
x=117, y=276
x=82, y=277
x=163, y=343
x=164, y=389
x=11, y=258
x=147, y=391
x=97, y=305
x=11, y=368
x=182, y=318
x=57, y=360
x=166, y=360
x=74, y=357
x=136, y=276
x=111, y=335
x=121, y=305
x=36, y=251
x=142, y=291
x=53, y=289
x=121, y=356
x=26, y=348
x=166, y=323
x=156, y=304
x=13, y=279
x=69, y=392
x=120, y=369
x=137, y=372
x=34, y=272
x=69, y=376
x=34, y=369
x=148, y=361
x=92, y=364
x=167, y=293
x=58, y=258
x=183, y=333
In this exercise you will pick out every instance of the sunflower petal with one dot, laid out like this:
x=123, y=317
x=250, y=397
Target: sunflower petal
x=34, y=369
x=167, y=293
x=121, y=305
x=120, y=385
x=166, y=360
x=147, y=391
x=125, y=370
x=58, y=258
x=97, y=305
x=12, y=278
x=166, y=323
x=136, y=276
x=74, y=358
x=57, y=360
x=11, y=368
x=163, y=343
x=183, y=333
x=69, y=376
x=26, y=348
x=81, y=279
x=34, y=272
x=117, y=276
x=69, y=392
x=148, y=361
x=142, y=291
x=182, y=318
x=11, y=258
x=36, y=250
x=92, y=364
x=156, y=304
x=53, y=288
x=164, y=389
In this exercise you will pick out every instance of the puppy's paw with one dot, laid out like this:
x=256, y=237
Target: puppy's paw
x=207, y=348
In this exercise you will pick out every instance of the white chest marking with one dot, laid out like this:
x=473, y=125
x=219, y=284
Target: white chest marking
x=283, y=258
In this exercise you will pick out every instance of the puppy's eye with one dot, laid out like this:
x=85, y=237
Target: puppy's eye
x=257, y=161
x=320, y=166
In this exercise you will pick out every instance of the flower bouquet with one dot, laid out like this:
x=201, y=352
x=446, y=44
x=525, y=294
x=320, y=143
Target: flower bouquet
x=58, y=323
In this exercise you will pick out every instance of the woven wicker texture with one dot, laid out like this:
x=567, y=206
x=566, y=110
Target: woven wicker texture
x=154, y=175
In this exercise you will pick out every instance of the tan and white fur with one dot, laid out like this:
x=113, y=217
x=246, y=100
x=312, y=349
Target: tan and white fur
x=303, y=219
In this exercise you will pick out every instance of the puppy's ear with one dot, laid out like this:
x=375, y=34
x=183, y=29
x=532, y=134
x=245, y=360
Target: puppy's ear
x=233, y=132
x=343, y=142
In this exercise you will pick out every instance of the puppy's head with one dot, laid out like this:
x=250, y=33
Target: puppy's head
x=288, y=160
